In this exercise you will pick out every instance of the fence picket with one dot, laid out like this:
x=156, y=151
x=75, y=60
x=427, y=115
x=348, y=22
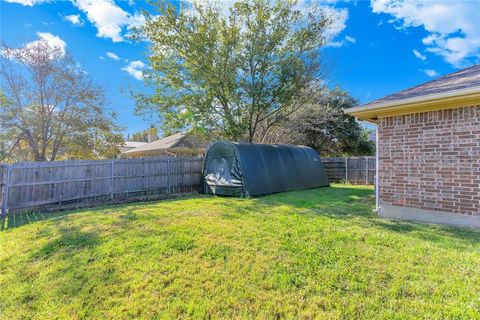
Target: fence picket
x=45, y=186
x=33, y=186
x=350, y=169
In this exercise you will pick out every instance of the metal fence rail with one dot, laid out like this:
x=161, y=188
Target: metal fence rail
x=354, y=170
x=34, y=186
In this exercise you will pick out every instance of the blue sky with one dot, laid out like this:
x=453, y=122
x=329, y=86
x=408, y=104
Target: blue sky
x=376, y=48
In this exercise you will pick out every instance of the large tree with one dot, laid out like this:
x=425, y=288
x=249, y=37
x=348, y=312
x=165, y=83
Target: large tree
x=50, y=108
x=237, y=73
x=147, y=135
x=322, y=124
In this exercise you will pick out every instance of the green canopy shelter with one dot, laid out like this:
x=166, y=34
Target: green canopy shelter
x=247, y=169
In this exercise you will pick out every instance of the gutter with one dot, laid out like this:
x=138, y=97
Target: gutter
x=443, y=100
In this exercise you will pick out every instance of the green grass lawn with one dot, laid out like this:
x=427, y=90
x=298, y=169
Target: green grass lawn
x=312, y=254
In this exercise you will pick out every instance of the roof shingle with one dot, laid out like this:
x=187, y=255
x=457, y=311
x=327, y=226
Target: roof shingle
x=466, y=78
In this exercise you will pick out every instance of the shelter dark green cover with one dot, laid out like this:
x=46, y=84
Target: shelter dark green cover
x=247, y=169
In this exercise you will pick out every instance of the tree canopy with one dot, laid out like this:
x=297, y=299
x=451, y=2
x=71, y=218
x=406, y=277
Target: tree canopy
x=50, y=108
x=322, y=124
x=147, y=135
x=238, y=73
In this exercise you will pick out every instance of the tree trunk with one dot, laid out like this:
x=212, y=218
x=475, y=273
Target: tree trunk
x=39, y=157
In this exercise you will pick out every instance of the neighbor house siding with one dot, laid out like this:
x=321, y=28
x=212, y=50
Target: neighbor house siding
x=431, y=161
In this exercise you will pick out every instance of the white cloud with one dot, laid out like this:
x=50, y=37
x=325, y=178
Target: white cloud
x=339, y=16
x=430, y=72
x=80, y=68
x=109, y=19
x=135, y=68
x=335, y=44
x=350, y=39
x=53, y=41
x=340, y=22
x=341, y=43
x=454, y=33
x=73, y=19
x=112, y=55
x=29, y=3
x=419, y=55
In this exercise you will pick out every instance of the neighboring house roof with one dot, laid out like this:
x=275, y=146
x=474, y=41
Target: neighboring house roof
x=129, y=145
x=134, y=144
x=177, y=142
x=458, y=89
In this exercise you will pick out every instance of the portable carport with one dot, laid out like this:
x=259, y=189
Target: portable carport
x=245, y=169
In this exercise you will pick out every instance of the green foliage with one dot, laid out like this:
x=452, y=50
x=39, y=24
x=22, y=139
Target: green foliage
x=234, y=73
x=312, y=254
x=142, y=136
x=323, y=125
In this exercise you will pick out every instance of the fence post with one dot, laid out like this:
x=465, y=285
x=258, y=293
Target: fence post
x=168, y=175
x=346, y=169
x=190, y=178
x=367, y=171
x=111, y=179
x=7, y=190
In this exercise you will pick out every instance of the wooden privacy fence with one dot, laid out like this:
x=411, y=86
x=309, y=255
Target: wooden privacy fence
x=32, y=186
x=355, y=170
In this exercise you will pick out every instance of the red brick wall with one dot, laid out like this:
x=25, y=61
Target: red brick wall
x=431, y=160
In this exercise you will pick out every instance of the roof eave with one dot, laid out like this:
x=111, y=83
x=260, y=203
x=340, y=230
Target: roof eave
x=164, y=150
x=437, y=101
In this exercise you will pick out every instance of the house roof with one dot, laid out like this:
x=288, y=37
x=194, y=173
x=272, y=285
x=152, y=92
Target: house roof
x=134, y=144
x=129, y=145
x=458, y=89
x=166, y=144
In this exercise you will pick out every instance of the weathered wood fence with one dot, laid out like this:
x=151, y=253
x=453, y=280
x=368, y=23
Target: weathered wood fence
x=44, y=186
x=34, y=186
x=354, y=170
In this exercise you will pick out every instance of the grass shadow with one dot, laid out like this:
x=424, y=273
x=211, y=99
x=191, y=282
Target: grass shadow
x=431, y=232
x=337, y=202
x=20, y=219
x=347, y=202
x=70, y=258
x=70, y=240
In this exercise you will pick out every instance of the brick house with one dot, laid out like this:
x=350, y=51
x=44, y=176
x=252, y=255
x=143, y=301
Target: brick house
x=428, y=150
